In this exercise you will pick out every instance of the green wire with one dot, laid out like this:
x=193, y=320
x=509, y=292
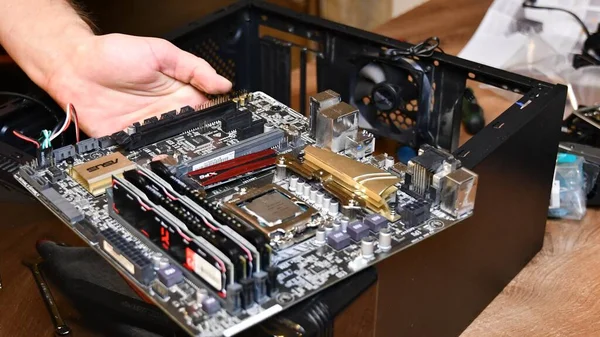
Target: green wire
x=45, y=141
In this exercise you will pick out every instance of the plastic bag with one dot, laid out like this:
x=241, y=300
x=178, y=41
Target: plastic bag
x=568, y=197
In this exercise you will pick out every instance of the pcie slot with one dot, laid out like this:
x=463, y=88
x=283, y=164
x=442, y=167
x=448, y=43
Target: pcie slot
x=193, y=252
x=198, y=225
x=199, y=211
x=254, y=144
x=171, y=124
x=252, y=235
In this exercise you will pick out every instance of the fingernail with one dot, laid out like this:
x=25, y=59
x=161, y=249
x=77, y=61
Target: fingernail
x=226, y=82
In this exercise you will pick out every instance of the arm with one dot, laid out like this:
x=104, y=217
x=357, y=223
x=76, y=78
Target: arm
x=113, y=80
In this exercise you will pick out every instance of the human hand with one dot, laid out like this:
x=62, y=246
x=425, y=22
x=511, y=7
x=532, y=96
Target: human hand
x=115, y=80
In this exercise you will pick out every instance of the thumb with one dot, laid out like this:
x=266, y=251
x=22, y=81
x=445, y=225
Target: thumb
x=188, y=68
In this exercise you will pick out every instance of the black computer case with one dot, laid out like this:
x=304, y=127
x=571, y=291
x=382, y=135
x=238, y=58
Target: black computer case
x=438, y=287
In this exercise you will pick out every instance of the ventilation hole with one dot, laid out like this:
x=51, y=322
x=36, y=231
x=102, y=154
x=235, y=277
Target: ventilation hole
x=409, y=107
x=436, y=63
x=414, y=102
x=264, y=17
x=408, y=121
x=416, y=108
x=366, y=100
x=410, y=78
x=471, y=75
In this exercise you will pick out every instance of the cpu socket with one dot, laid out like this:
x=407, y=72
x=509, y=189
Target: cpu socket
x=275, y=212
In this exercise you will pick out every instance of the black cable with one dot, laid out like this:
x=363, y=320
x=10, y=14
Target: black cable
x=423, y=49
x=27, y=97
x=38, y=102
x=529, y=4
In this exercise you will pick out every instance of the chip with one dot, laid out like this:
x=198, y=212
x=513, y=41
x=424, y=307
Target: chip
x=274, y=211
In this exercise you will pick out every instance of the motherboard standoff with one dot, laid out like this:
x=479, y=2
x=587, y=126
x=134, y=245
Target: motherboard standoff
x=226, y=214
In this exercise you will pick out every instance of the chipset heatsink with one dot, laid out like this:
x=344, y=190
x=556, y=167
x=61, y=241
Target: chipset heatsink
x=96, y=175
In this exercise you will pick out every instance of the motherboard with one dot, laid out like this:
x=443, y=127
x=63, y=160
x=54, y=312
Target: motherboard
x=226, y=214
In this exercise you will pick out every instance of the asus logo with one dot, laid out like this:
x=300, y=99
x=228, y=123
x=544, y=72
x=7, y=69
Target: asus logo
x=105, y=164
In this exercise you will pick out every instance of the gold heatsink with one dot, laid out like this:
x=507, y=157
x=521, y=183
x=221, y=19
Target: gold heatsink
x=347, y=179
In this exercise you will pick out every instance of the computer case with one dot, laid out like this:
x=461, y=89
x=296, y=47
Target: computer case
x=438, y=287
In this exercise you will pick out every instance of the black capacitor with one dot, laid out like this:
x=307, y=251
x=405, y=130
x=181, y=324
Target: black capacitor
x=260, y=286
x=234, y=298
x=247, y=292
x=272, y=284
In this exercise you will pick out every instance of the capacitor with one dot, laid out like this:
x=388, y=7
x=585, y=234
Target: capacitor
x=344, y=223
x=268, y=127
x=201, y=294
x=234, y=298
x=313, y=195
x=306, y=191
x=272, y=283
x=320, y=236
x=337, y=225
x=260, y=286
x=299, y=188
x=385, y=239
x=156, y=261
x=319, y=200
x=325, y=203
x=281, y=170
x=293, y=183
x=367, y=247
x=130, y=130
x=247, y=292
x=164, y=263
x=328, y=229
x=334, y=208
x=388, y=163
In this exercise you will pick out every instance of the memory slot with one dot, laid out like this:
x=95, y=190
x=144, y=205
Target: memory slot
x=196, y=224
x=191, y=251
x=204, y=215
x=251, y=234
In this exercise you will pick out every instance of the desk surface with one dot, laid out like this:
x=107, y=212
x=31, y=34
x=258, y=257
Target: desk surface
x=555, y=295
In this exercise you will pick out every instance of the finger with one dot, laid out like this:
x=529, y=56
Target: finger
x=188, y=68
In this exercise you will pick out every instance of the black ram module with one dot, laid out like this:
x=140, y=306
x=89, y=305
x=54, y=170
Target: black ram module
x=195, y=254
x=171, y=124
x=192, y=222
x=249, y=233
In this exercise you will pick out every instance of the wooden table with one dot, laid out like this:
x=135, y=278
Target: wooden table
x=555, y=295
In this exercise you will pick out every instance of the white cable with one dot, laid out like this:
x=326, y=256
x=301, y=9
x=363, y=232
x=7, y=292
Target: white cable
x=65, y=124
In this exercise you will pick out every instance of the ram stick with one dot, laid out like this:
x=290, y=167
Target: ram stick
x=195, y=224
x=193, y=252
x=249, y=233
x=210, y=222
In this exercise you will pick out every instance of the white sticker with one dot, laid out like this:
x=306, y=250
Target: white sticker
x=555, y=196
x=120, y=258
x=215, y=161
x=200, y=266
